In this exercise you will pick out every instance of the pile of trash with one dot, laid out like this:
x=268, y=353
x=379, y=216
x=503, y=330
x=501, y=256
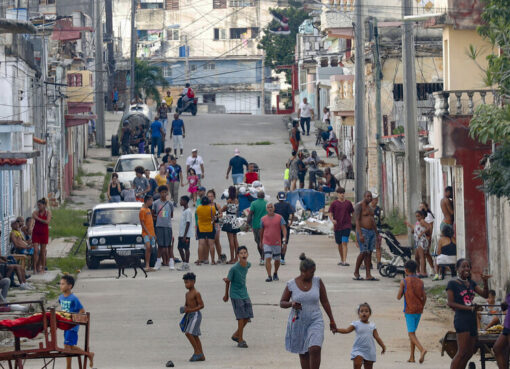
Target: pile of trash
x=312, y=223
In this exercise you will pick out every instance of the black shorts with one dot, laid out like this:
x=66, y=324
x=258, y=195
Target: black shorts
x=301, y=177
x=207, y=235
x=466, y=322
x=288, y=235
x=506, y=331
x=339, y=235
x=183, y=243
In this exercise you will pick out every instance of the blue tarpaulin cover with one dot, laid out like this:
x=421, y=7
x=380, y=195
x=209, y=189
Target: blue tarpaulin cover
x=309, y=199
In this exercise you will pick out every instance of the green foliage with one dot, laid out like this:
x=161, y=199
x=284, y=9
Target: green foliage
x=492, y=122
x=396, y=222
x=148, y=77
x=67, y=223
x=496, y=176
x=280, y=49
x=398, y=130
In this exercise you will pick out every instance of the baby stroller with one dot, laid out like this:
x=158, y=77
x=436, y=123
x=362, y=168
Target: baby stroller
x=401, y=254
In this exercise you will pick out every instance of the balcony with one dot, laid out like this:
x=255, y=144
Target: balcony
x=342, y=95
x=16, y=144
x=336, y=20
x=462, y=102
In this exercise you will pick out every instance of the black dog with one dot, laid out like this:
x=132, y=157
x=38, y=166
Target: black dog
x=127, y=261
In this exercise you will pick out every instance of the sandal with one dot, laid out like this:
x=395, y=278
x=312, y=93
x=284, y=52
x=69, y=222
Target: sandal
x=242, y=344
x=358, y=278
x=235, y=339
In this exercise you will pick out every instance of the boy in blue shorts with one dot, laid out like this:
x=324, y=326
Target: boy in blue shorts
x=69, y=304
x=413, y=291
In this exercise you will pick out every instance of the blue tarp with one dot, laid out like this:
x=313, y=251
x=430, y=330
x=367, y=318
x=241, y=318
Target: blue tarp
x=309, y=199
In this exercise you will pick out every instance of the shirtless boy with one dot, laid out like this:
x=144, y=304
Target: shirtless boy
x=366, y=233
x=447, y=207
x=190, y=324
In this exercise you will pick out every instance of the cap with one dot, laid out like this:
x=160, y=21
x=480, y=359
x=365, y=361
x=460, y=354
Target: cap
x=202, y=188
x=281, y=195
x=236, y=151
x=163, y=102
x=194, y=150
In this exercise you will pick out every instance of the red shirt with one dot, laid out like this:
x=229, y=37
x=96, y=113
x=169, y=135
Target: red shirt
x=251, y=177
x=272, y=229
x=414, y=293
x=342, y=212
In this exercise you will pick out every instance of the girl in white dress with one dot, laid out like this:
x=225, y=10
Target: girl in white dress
x=363, y=350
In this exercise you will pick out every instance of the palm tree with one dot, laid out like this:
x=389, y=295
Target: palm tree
x=147, y=79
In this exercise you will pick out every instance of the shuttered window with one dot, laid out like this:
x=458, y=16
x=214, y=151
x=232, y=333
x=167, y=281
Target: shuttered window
x=172, y=4
x=219, y=4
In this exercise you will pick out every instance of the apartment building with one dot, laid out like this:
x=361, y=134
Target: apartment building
x=210, y=43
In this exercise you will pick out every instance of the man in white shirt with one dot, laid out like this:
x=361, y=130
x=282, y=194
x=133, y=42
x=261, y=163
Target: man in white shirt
x=196, y=162
x=305, y=115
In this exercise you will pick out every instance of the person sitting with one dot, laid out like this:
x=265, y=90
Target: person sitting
x=331, y=142
x=446, y=253
x=491, y=313
x=251, y=175
x=328, y=184
x=19, y=245
x=11, y=268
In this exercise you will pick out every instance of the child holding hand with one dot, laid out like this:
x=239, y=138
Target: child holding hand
x=363, y=350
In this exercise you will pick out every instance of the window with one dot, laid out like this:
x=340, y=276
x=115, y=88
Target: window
x=254, y=32
x=423, y=90
x=74, y=80
x=209, y=98
x=151, y=5
x=241, y=3
x=172, y=34
x=220, y=34
x=167, y=71
x=209, y=66
x=193, y=67
x=235, y=33
x=171, y=4
x=219, y=4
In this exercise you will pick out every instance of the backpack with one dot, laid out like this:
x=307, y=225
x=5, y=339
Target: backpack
x=191, y=93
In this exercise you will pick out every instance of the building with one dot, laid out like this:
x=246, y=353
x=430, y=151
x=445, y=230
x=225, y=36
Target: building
x=213, y=46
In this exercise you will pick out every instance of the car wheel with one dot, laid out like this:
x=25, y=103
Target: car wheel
x=92, y=262
x=115, y=145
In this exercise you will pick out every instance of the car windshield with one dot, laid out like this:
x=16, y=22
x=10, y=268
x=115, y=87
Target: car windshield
x=115, y=216
x=129, y=164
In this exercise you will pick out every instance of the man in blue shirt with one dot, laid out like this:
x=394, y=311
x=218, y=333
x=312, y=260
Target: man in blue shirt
x=237, y=164
x=178, y=132
x=157, y=136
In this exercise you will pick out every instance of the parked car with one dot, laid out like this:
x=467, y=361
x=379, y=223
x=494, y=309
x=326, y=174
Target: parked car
x=135, y=115
x=126, y=164
x=113, y=225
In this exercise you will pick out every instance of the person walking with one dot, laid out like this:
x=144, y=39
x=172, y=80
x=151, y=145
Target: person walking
x=195, y=162
x=293, y=170
x=366, y=234
x=114, y=189
x=413, y=291
x=206, y=231
x=230, y=224
x=163, y=212
x=286, y=210
x=295, y=136
x=175, y=178
x=340, y=214
x=177, y=133
x=157, y=136
x=40, y=234
x=237, y=164
x=301, y=166
x=115, y=99
x=185, y=233
x=272, y=226
x=421, y=232
x=125, y=139
x=211, y=194
x=305, y=326
x=305, y=115
x=257, y=211
x=163, y=115
x=148, y=232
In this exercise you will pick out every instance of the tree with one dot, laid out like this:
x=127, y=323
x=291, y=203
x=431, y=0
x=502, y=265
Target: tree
x=148, y=77
x=280, y=49
x=492, y=122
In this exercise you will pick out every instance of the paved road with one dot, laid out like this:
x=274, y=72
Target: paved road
x=120, y=308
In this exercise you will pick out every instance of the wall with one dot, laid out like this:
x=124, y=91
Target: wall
x=456, y=62
x=498, y=218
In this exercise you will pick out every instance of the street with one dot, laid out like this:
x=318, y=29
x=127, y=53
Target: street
x=121, y=308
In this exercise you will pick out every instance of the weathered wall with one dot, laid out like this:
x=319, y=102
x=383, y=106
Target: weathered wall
x=498, y=218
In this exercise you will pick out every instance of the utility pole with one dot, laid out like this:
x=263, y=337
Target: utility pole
x=133, y=51
x=109, y=49
x=99, y=93
x=412, y=159
x=186, y=55
x=359, y=107
x=262, y=86
x=378, y=113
